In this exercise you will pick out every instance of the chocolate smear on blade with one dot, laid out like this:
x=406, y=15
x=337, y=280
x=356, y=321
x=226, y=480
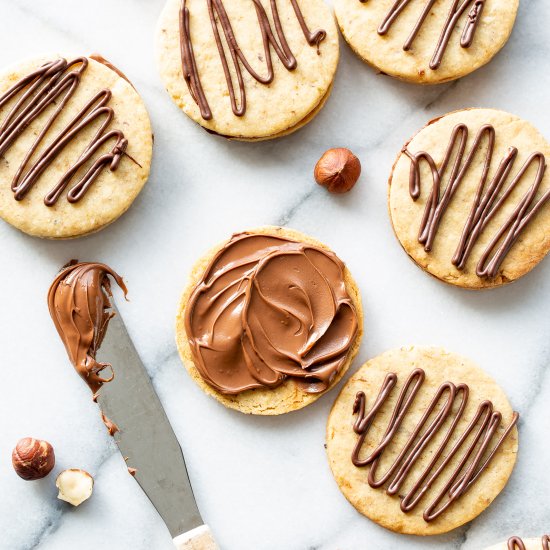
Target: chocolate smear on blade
x=80, y=307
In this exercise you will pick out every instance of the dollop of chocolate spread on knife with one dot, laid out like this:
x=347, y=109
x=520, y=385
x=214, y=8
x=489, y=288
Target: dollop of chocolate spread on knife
x=488, y=199
x=515, y=543
x=50, y=87
x=219, y=17
x=473, y=448
x=458, y=7
x=267, y=309
x=79, y=305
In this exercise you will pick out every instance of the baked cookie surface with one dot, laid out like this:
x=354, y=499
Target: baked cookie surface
x=423, y=41
x=380, y=422
x=468, y=198
x=76, y=146
x=279, y=78
x=297, y=336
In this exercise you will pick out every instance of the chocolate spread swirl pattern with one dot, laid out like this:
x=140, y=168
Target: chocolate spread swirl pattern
x=268, y=309
x=486, y=203
x=458, y=7
x=218, y=16
x=51, y=86
x=476, y=440
x=515, y=543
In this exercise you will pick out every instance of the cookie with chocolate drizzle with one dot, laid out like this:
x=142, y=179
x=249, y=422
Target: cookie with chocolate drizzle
x=426, y=41
x=421, y=441
x=75, y=144
x=248, y=69
x=469, y=198
x=517, y=543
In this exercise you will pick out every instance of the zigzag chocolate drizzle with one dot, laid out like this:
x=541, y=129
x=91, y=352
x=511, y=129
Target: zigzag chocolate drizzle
x=487, y=200
x=474, y=460
x=53, y=84
x=218, y=16
x=515, y=543
x=458, y=7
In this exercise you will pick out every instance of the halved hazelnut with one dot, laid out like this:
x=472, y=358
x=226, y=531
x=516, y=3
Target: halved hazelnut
x=75, y=486
x=32, y=458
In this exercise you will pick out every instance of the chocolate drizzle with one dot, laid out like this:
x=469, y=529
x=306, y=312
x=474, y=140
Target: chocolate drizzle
x=275, y=39
x=447, y=406
x=458, y=7
x=515, y=543
x=51, y=86
x=488, y=199
x=267, y=309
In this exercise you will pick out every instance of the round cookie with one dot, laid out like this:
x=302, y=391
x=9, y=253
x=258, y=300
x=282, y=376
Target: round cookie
x=473, y=239
x=271, y=109
x=380, y=32
x=289, y=395
x=515, y=543
x=88, y=135
x=378, y=504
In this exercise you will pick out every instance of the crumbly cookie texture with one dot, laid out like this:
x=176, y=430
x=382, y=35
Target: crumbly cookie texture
x=262, y=401
x=439, y=366
x=534, y=241
x=530, y=544
x=112, y=193
x=359, y=22
x=291, y=100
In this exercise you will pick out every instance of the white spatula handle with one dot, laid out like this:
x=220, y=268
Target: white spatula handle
x=200, y=538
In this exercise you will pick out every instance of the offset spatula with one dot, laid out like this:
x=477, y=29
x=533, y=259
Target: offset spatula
x=147, y=441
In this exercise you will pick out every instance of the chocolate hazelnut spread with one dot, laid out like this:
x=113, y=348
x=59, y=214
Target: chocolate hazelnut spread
x=79, y=304
x=268, y=309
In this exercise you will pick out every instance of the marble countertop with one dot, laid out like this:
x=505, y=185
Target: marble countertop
x=261, y=483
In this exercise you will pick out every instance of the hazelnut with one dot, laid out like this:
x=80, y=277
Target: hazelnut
x=32, y=458
x=338, y=170
x=75, y=486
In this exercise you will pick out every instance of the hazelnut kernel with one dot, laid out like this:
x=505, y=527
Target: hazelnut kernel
x=75, y=486
x=338, y=170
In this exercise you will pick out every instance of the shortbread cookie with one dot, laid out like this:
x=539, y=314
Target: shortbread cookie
x=270, y=321
x=248, y=69
x=515, y=543
x=75, y=144
x=424, y=41
x=468, y=198
x=421, y=441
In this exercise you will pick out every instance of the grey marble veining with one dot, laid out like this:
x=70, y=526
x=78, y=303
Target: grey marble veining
x=261, y=483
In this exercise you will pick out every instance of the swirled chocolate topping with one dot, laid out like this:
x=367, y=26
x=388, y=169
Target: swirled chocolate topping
x=458, y=7
x=515, y=543
x=271, y=38
x=50, y=87
x=474, y=448
x=488, y=198
x=267, y=309
x=79, y=305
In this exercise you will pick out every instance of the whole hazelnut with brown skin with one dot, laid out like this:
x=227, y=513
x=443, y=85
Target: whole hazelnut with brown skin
x=338, y=170
x=32, y=458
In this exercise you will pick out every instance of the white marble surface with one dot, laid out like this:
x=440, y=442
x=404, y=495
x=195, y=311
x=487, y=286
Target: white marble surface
x=261, y=483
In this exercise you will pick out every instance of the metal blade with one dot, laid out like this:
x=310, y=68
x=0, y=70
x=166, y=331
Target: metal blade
x=146, y=438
